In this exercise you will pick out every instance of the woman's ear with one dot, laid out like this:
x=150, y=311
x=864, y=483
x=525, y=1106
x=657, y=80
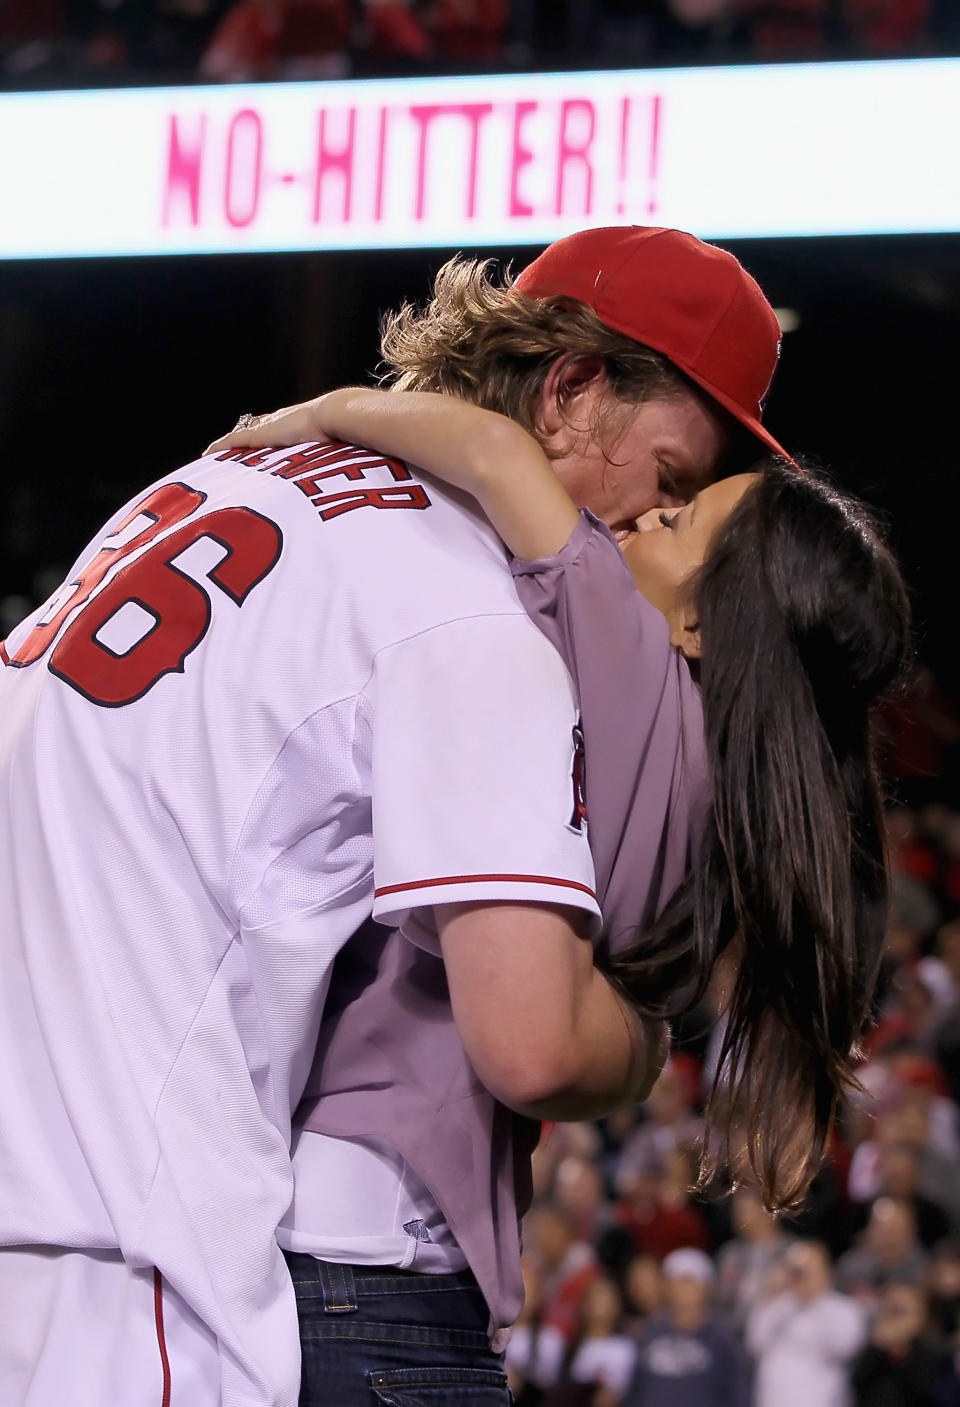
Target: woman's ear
x=568, y=378
x=685, y=637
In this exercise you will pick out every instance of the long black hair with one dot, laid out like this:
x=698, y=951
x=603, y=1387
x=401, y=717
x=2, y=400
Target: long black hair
x=804, y=624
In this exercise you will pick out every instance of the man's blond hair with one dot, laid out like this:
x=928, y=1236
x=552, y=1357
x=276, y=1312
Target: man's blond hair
x=479, y=338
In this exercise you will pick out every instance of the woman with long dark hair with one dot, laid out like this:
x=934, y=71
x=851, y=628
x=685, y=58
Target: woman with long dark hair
x=792, y=615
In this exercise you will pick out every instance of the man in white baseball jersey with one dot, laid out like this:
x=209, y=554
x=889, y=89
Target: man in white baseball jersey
x=267, y=689
x=279, y=690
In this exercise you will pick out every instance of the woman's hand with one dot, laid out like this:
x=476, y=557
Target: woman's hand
x=292, y=425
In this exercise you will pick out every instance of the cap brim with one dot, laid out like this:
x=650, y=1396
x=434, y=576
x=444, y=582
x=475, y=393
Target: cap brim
x=749, y=422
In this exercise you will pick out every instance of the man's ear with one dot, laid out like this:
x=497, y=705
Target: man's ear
x=568, y=378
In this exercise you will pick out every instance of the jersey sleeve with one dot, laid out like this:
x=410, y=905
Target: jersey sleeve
x=474, y=744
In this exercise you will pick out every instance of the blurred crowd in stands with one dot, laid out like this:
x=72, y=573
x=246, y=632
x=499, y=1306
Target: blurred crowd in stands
x=641, y=1293
x=87, y=42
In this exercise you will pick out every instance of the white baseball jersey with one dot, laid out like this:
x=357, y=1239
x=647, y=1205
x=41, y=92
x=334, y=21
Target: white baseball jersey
x=279, y=690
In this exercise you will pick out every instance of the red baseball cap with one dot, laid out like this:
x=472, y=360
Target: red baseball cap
x=693, y=302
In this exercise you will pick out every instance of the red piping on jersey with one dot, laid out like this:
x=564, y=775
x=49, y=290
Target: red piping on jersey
x=161, y=1338
x=485, y=879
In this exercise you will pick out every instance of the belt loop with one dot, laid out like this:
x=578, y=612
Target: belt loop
x=339, y=1288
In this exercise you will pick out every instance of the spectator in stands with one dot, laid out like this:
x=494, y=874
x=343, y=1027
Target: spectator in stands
x=578, y=1191
x=946, y=1046
x=900, y=1366
x=745, y=1263
x=395, y=32
x=939, y=981
x=888, y=1251
x=900, y=1179
x=909, y=848
x=51, y=37
x=259, y=39
x=558, y=1142
x=686, y=1358
x=670, y=1122
x=591, y=1368
x=948, y=953
x=535, y=1350
x=898, y=1176
x=926, y=1118
x=945, y=1035
x=643, y=1292
x=243, y=46
x=31, y=34
x=805, y=1335
x=565, y=1265
x=824, y=1213
x=599, y=1360
x=660, y=1213
x=906, y=1118
x=910, y=1012
x=944, y=1287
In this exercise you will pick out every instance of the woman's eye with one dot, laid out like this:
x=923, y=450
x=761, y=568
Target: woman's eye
x=665, y=520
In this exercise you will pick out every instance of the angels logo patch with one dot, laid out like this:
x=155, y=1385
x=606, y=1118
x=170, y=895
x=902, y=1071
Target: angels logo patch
x=578, y=776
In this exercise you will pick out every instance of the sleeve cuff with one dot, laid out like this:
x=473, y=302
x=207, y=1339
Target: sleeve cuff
x=393, y=903
x=568, y=553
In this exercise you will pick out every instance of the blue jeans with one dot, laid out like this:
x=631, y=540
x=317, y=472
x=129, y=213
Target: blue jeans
x=375, y=1336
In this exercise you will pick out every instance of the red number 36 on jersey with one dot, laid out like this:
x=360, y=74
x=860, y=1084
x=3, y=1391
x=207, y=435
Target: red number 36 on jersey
x=151, y=581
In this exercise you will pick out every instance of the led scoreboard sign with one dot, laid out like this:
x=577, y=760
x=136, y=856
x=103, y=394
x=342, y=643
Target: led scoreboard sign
x=811, y=149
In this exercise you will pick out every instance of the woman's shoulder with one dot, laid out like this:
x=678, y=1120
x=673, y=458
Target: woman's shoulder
x=591, y=542
x=587, y=594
